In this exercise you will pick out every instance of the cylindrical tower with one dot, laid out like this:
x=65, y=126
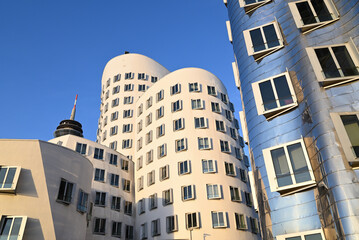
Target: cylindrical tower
x=298, y=70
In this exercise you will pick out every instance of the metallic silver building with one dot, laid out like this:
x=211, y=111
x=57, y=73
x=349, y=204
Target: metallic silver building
x=297, y=71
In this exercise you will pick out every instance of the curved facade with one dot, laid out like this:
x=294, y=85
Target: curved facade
x=302, y=56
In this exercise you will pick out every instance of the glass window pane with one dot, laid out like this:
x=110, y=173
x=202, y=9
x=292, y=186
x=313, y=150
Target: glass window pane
x=327, y=63
x=316, y=236
x=345, y=61
x=293, y=238
x=214, y=219
x=4, y=232
x=257, y=40
x=299, y=164
x=305, y=13
x=221, y=219
x=283, y=92
x=15, y=229
x=271, y=36
x=351, y=124
x=281, y=167
x=268, y=98
x=2, y=176
x=322, y=10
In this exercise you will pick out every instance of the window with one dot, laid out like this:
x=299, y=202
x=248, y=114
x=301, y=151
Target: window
x=117, y=78
x=347, y=128
x=335, y=64
x=116, y=229
x=116, y=203
x=128, y=87
x=308, y=235
x=128, y=100
x=129, y=75
x=128, y=208
x=12, y=227
x=149, y=102
x=188, y=193
x=192, y=220
x=164, y=172
x=231, y=106
x=153, y=201
x=9, y=176
x=139, y=162
x=160, y=95
x=178, y=124
x=235, y=194
x=127, y=128
x=99, y=175
x=200, y=122
x=177, y=106
x=156, y=227
x=142, y=76
x=160, y=112
x=240, y=221
x=288, y=166
x=229, y=115
x=129, y=232
x=215, y=107
x=113, y=130
x=154, y=79
x=116, y=90
x=236, y=123
x=126, y=185
x=254, y=225
x=251, y=5
x=113, y=159
x=312, y=14
x=181, y=144
x=127, y=143
x=243, y=175
x=171, y=224
x=140, y=110
x=99, y=226
x=127, y=113
x=194, y=87
x=81, y=148
x=209, y=166
x=141, y=206
x=114, y=180
x=114, y=116
x=162, y=150
x=149, y=157
x=229, y=167
x=233, y=133
x=211, y=90
x=108, y=83
x=264, y=40
x=140, y=183
x=197, y=104
x=224, y=98
x=139, y=144
x=175, y=89
x=219, y=219
x=65, y=191
x=139, y=126
x=105, y=121
x=115, y=102
x=214, y=191
x=104, y=135
x=204, y=143
x=107, y=95
x=167, y=196
x=225, y=146
x=220, y=126
x=148, y=119
x=274, y=95
x=100, y=199
x=106, y=107
x=141, y=87
x=161, y=131
x=151, y=178
x=82, y=201
x=184, y=167
x=249, y=200
x=149, y=137
x=113, y=145
x=143, y=231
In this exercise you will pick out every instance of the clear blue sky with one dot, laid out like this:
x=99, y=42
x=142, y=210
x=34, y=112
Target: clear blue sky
x=52, y=50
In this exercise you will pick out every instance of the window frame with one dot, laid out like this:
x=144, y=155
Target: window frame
x=225, y=146
x=199, y=121
x=235, y=194
x=194, y=87
x=214, y=163
x=197, y=104
x=116, y=203
x=204, y=147
x=171, y=225
x=151, y=178
x=181, y=145
x=248, y=8
x=192, y=215
x=66, y=198
x=156, y=227
x=21, y=230
x=101, y=226
x=301, y=234
x=162, y=150
x=116, y=230
x=153, y=201
x=181, y=165
x=213, y=186
x=165, y=169
x=228, y=166
x=224, y=216
x=216, y=107
x=185, y=189
x=175, y=89
x=177, y=106
x=14, y=181
x=169, y=193
x=239, y=224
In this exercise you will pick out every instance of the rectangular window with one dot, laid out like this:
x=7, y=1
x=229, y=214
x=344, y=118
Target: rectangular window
x=177, y=106
x=213, y=191
x=140, y=110
x=251, y=5
x=178, y=124
x=162, y=150
x=194, y=87
x=211, y=90
x=126, y=185
x=215, y=107
x=204, y=143
x=263, y=40
x=141, y=87
x=116, y=203
x=197, y=104
x=224, y=98
x=164, y=172
x=229, y=115
x=335, y=64
x=160, y=95
x=254, y=225
x=225, y=146
x=116, y=229
x=12, y=227
x=127, y=113
x=181, y=145
x=143, y=231
x=128, y=87
x=192, y=220
x=140, y=183
x=114, y=180
x=107, y=95
x=209, y=166
x=243, y=175
x=249, y=200
x=233, y=133
x=154, y=79
x=230, y=169
x=148, y=119
x=160, y=112
x=113, y=130
x=149, y=156
x=129, y=232
x=115, y=102
x=100, y=199
x=81, y=148
x=167, y=196
x=171, y=224
x=308, y=235
x=161, y=131
x=106, y=107
x=231, y=106
x=99, y=175
x=129, y=75
x=220, y=126
x=141, y=206
x=153, y=201
x=151, y=178
x=128, y=208
x=9, y=175
x=113, y=145
x=156, y=227
x=240, y=221
x=142, y=76
x=184, y=167
x=117, y=78
x=127, y=128
x=116, y=90
x=200, y=122
x=128, y=100
x=124, y=165
x=108, y=82
x=99, y=226
x=235, y=194
x=219, y=220
x=175, y=89
x=139, y=162
x=127, y=143
x=148, y=102
x=114, y=116
x=139, y=126
x=149, y=137
x=288, y=166
x=188, y=193
x=82, y=201
x=65, y=191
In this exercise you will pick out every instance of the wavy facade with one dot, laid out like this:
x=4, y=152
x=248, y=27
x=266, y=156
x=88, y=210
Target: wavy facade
x=297, y=71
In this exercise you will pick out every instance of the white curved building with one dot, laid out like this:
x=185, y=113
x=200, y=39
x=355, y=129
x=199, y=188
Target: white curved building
x=191, y=179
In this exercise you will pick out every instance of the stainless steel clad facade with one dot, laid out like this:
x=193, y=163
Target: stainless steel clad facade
x=328, y=201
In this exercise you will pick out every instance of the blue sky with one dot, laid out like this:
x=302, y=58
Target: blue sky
x=52, y=50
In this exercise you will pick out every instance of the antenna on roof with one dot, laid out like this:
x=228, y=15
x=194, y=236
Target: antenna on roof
x=72, y=117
